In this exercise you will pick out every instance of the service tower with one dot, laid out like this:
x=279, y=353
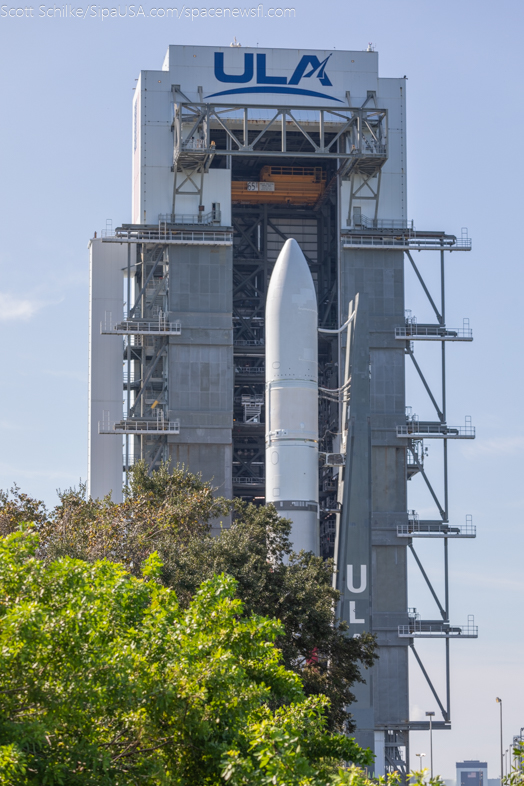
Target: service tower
x=234, y=152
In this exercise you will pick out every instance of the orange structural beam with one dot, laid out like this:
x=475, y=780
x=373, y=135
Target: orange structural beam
x=290, y=185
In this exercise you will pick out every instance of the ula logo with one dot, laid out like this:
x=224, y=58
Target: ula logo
x=308, y=66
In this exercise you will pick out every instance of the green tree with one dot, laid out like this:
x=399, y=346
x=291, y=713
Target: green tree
x=297, y=589
x=169, y=512
x=15, y=507
x=106, y=679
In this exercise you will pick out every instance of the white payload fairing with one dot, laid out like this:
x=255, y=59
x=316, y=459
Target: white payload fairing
x=292, y=396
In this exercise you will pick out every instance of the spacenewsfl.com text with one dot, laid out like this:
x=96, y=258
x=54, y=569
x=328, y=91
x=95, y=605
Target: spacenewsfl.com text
x=139, y=12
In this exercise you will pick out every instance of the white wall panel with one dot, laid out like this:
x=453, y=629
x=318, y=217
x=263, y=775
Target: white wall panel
x=105, y=368
x=159, y=193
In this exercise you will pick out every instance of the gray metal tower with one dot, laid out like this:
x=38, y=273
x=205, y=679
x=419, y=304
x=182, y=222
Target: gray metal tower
x=383, y=449
x=235, y=151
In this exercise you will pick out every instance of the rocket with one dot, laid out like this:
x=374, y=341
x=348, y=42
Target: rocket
x=292, y=396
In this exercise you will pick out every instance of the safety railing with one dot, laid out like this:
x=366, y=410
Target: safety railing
x=416, y=430
x=436, y=332
x=382, y=223
x=368, y=149
x=160, y=326
x=248, y=481
x=196, y=238
x=171, y=237
x=425, y=529
x=255, y=370
x=135, y=426
x=407, y=242
x=188, y=218
x=194, y=144
x=433, y=629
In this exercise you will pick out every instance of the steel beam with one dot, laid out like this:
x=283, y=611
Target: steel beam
x=444, y=712
x=428, y=582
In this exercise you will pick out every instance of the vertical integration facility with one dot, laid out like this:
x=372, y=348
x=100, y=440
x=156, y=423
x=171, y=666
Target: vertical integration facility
x=235, y=151
x=472, y=773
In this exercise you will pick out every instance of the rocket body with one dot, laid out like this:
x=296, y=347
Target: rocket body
x=292, y=396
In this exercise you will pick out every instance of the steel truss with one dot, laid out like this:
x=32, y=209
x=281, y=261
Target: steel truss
x=357, y=135
x=415, y=431
x=355, y=139
x=146, y=331
x=147, y=358
x=396, y=748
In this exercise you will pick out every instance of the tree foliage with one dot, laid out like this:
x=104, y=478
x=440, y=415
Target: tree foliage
x=15, y=507
x=515, y=776
x=169, y=512
x=106, y=679
x=296, y=589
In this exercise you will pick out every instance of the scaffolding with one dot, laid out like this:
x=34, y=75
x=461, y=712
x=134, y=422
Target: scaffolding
x=147, y=330
x=414, y=431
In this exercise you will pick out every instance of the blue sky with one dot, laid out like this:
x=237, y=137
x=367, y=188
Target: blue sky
x=65, y=131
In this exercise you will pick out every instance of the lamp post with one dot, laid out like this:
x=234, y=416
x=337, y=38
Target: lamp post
x=431, y=715
x=420, y=755
x=499, y=701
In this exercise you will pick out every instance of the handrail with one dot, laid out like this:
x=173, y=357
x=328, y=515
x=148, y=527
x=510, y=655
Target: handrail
x=373, y=150
x=126, y=426
x=435, y=430
x=193, y=144
x=383, y=223
x=188, y=218
x=407, y=241
x=138, y=326
x=148, y=425
x=414, y=330
x=417, y=528
x=438, y=629
x=171, y=237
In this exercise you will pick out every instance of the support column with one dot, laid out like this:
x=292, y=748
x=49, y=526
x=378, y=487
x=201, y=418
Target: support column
x=105, y=392
x=374, y=495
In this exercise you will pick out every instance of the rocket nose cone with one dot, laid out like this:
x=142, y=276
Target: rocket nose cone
x=291, y=268
x=290, y=244
x=291, y=251
x=291, y=318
